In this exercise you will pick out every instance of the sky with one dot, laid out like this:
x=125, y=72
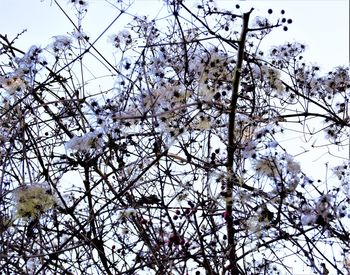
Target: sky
x=322, y=25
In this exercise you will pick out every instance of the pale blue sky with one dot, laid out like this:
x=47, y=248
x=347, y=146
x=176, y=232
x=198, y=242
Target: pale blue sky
x=322, y=25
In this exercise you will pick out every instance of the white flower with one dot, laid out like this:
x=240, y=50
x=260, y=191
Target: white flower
x=292, y=166
x=33, y=200
x=27, y=65
x=61, y=42
x=267, y=167
x=79, y=4
x=86, y=142
x=322, y=212
x=80, y=35
x=204, y=123
x=12, y=84
x=287, y=51
x=121, y=39
x=279, y=87
x=256, y=227
x=242, y=195
x=342, y=171
x=32, y=265
x=292, y=184
x=261, y=22
x=4, y=136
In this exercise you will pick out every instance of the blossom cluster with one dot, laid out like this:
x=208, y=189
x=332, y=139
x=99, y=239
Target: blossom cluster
x=85, y=143
x=280, y=167
x=61, y=43
x=121, y=40
x=24, y=71
x=33, y=200
x=321, y=211
x=283, y=54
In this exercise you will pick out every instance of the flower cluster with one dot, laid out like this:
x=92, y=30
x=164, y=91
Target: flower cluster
x=282, y=168
x=12, y=84
x=321, y=212
x=25, y=70
x=165, y=98
x=274, y=80
x=284, y=53
x=337, y=81
x=214, y=71
x=33, y=200
x=121, y=40
x=269, y=79
x=261, y=22
x=61, y=43
x=145, y=29
x=85, y=143
x=342, y=172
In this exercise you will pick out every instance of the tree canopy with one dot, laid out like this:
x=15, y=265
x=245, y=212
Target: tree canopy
x=166, y=154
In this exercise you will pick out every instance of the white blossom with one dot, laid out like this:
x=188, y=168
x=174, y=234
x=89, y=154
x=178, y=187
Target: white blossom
x=342, y=171
x=121, y=39
x=33, y=200
x=61, y=42
x=80, y=35
x=292, y=166
x=267, y=167
x=28, y=65
x=12, y=84
x=85, y=143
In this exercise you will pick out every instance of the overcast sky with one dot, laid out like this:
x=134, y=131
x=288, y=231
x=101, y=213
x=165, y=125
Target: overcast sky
x=320, y=24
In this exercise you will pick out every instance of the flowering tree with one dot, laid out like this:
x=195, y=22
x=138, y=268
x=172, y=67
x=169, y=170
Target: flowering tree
x=166, y=157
